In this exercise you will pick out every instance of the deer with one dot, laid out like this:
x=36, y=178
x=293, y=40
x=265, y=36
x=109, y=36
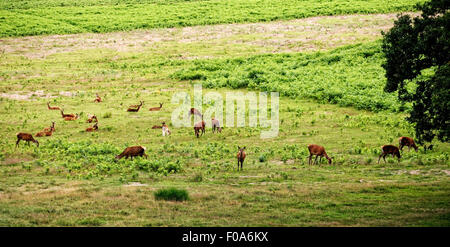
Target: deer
x=195, y=112
x=156, y=108
x=216, y=125
x=135, y=108
x=66, y=115
x=71, y=118
x=389, y=149
x=46, y=131
x=92, y=118
x=240, y=157
x=132, y=151
x=52, y=108
x=93, y=128
x=199, y=126
x=97, y=99
x=156, y=127
x=406, y=141
x=51, y=128
x=165, y=129
x=317, y=151
x=26, y=137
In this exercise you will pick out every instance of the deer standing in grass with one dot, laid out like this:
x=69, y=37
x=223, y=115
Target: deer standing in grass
x=216, y=125
x=97, y=99
x=93, y=128
x=156, y=108
x=406, y=141
x=135, y=108
x=389, y=149
x=200, y=126
x=52, y=108
x=165, y=129
x=26, y=137
x=317, y=151
x=132, y=151
x=240, y=157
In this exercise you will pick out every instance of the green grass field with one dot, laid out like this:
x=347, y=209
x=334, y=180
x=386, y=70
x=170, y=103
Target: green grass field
x=330, y=94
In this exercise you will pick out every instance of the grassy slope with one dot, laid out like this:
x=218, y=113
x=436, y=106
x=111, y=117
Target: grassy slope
x=19, y=18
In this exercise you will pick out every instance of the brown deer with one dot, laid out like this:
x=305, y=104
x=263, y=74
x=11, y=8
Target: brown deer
x=216, y=125
x=195, y=112
x=132, y=151
x=240, y=157
x=97, y=99
x=51, y=128
x=199, y=126
x=26, y=137
x=92, y=118
x=66, y=115
x=52, y=108
x=135, y=108
x=156, y=108
x=406, y=141
x=389, y=149
x=93, y=128
x=156, y=127
x=165, y=129
x=317, y=151
x=71, y=118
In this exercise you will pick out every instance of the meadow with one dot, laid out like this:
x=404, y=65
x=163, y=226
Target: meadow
x=330, y=94
x=24, y=18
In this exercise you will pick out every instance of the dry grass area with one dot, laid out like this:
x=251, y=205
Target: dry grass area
x=309, y=34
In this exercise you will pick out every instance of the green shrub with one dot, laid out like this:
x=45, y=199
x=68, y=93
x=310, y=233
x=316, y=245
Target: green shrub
x=172, y=194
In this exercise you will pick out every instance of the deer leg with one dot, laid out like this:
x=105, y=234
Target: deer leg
x=17, y=142
x=384, y=158
x=315, y=161
x=309, y=159
x=238, y=165
x=242, y=163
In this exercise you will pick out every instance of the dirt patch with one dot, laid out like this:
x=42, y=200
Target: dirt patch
x=26, y=96
x=135, y=184
x=15, y=160
x=316, y=33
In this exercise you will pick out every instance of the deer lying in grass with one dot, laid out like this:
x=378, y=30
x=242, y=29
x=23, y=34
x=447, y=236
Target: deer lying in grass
x=389, y=149
x=46, y=131
x=406, y=141
x=135, y=108
x=66, y=115
x=199, y=126
x=51, y=128
x=93, y=128
x=195, y=112
x=26, y=137
x=97, y=99
x=92, y=118
x=71, y=118
x=132, y=151
x=216, y=125
x=165, y=129
x=156, y=108
x=156, y=127
x=52, y=108
x=317, y=151
x=240, y=157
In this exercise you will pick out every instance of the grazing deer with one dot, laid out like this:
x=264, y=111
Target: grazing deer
x=52, y=108
x=389, y=149
x=93, y=128
x=66, y=115
x=132, y=151
x=195, y=112
x=240, y=157
x=71, y=118
x=92, y=118
x=156, y=108
x=317, y=151
x=199, y=126
x=216, y=125
x=26, y=137
x=135, y=108
x=406, y=141
x=165, y=129
x=97, y=99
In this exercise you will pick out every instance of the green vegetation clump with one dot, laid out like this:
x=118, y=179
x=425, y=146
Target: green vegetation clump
x=172, y=194
x=23, y=18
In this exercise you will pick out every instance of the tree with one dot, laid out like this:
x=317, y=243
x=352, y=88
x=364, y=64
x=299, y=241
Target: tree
x=417, y=52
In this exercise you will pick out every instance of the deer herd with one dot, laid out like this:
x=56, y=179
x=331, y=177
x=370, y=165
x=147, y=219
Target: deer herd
x=199, y=130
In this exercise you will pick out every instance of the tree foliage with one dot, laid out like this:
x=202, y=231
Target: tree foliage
x=417, y=52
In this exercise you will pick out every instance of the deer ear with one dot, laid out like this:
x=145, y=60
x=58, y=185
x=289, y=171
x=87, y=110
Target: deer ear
x=239, y=147
x=244, y=147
